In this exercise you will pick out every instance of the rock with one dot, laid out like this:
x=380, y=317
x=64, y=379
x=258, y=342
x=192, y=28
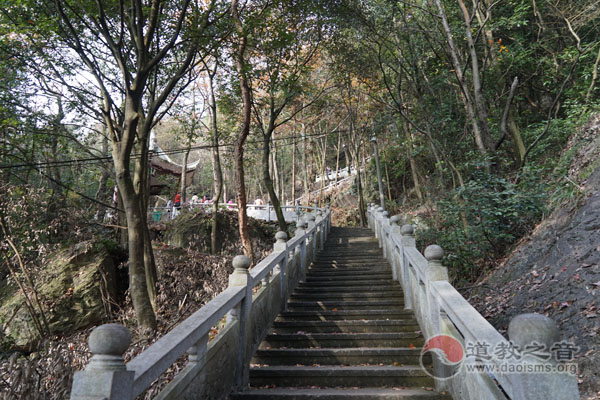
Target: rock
x=74, y=289
x=193, y=229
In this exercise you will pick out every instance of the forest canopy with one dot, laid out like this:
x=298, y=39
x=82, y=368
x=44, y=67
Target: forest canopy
x=471, y=105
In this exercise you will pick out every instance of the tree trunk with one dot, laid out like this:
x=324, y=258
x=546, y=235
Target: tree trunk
x=243, y=134
x=361, y=201
x=305, y=165
x=412, y=163
x=141, y=185
x=186, y=156
x=518, y=145
x=294, y=170
x=464, y=92
x=137, y=276
x=102, y=193
x=216, y=164
x=337, y=158
x=122, y=221
x=269, y=183
x=480, y=106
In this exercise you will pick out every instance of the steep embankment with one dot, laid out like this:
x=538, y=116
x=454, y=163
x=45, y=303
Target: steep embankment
x=556, y=270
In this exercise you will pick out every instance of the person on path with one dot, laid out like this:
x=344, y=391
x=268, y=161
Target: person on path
x=176, y=205
x=170, y=210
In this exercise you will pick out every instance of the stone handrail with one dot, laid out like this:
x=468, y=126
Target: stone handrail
x=291, y=212
x=214, y=368
x=441, y=310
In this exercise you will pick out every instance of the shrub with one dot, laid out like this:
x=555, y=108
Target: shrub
x=476, y=223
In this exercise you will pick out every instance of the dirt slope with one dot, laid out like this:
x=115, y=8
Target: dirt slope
x=555, y=271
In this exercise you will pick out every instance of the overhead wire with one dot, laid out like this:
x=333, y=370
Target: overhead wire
x=99, y=159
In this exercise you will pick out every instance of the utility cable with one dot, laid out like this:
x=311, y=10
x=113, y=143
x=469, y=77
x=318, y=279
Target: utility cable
x=98, y=160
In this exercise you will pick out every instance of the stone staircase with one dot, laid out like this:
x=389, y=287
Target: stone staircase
x=345, y=334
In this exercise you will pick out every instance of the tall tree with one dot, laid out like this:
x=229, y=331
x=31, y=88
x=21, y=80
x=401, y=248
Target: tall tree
x=242, y=70
x=137, y=55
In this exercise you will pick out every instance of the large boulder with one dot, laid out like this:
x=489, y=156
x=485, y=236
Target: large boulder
x=75, y=289
x=192, y=230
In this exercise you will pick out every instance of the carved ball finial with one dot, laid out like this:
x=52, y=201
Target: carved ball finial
x=241, y=262
x=385, y=214
x=109, y=339
x=525, y=329
x=407, y=230
x=434, y=253
x=281, y=236
x=379, y=209
x=373, y=139
x=310, y=217
x=394, y=220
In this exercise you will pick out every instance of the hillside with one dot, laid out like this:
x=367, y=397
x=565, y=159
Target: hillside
x=556, y=270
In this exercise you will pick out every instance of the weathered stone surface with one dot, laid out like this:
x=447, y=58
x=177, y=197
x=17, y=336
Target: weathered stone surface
x=72, y=288
x=193, y=229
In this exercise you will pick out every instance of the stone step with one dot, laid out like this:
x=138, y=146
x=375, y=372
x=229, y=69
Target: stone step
x=346, y=283
x=330, y=289
x=337, y=269
x=344, y=305
x=348, y=266
x=351, y=356
x=332, y=376
x=354, y=251
x=348, y=257
x=343, y=340
x=288, y=393
x=346, y=296
x=345, y=278
x=346, y=326
x=323, y=271
x=320, y=315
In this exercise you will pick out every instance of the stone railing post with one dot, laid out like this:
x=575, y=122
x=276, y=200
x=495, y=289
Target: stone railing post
x=435, y=272
x=322, y=229
x=282, y=267
x=527, y=331
x=300, y=231
x=105, y=377
x=394, y=252
x=384, y=235
x=241, y=313
x=432, y=317
x=369, y=216
x=310, y=219
x=378, y=215
x=408, y=241
x=328, y=216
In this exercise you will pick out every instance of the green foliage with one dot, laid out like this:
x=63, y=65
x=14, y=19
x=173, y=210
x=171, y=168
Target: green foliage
x=475, y=224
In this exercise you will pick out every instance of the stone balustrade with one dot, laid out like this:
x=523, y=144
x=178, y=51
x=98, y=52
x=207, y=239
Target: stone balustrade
x=263, y=212
x=443, y=312
x=214, y=367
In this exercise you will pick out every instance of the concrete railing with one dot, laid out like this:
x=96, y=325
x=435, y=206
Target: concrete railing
x=529, y=368
x=332, y=175
x=264, y=212
x=217, y=367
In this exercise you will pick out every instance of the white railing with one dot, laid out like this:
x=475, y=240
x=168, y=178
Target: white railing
x=341, y=173
x=214, y=368
x=264, y=212
x=441, y=310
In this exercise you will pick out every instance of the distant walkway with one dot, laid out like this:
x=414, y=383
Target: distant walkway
x=261, y=212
